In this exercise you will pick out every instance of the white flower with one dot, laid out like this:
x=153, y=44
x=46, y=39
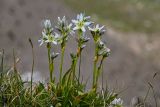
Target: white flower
x=50, y=38
x=47, y=24
x=102, y=49
x=69, y=29
x=96, y=32
x=63, y=27
x=63, y=20
x=100, y=44
x=117, y=102
x=53, y=38
x=47, y=34
x=97, y=28
x=62, y=24
x=81, y=22
x=108, y=50
x=85, y=38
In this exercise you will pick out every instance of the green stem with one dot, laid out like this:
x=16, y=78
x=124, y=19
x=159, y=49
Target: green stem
x=79, y=73
x=98, y=70
x=78, y=53
x=102, y=78
x=51, y=69
x=95, y=68
x=74, y=68
x=94, y=73
x=61, y=65
x=49, y=60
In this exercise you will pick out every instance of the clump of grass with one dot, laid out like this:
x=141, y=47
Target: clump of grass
x=69, y=91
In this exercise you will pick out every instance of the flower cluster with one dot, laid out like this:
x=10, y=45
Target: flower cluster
x=64, y=28
x=48, y=36
x=97, y=32
x=102, y=49
x=83, y=39
x=81, y=22
x=70, y=89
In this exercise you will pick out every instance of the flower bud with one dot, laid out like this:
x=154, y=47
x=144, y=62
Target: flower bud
x=54, y=55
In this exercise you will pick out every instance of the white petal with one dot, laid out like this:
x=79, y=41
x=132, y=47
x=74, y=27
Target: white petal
x=75, y=21
x=47, y=41
x=81, y=17
x=59, y=19
x=87, y=17
x=44, y=34
x=64, y=18
x=78, y=16
x=54, y=42
x=47, y=23
x=83, y=29
x=97, y=26
x=56, y=35
x=101, y=28
x=90, y=28
x=70, y=25
x=75, y=28
x=87, y=23
x=41, y=42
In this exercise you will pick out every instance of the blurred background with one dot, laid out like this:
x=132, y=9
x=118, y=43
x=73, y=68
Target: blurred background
x=133, y=29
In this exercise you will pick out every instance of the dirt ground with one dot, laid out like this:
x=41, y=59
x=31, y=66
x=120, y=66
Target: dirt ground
x=126, y=70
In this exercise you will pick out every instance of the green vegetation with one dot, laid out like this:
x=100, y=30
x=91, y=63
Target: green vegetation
x=16, y=93
x=125, y=15
x=69, y=91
